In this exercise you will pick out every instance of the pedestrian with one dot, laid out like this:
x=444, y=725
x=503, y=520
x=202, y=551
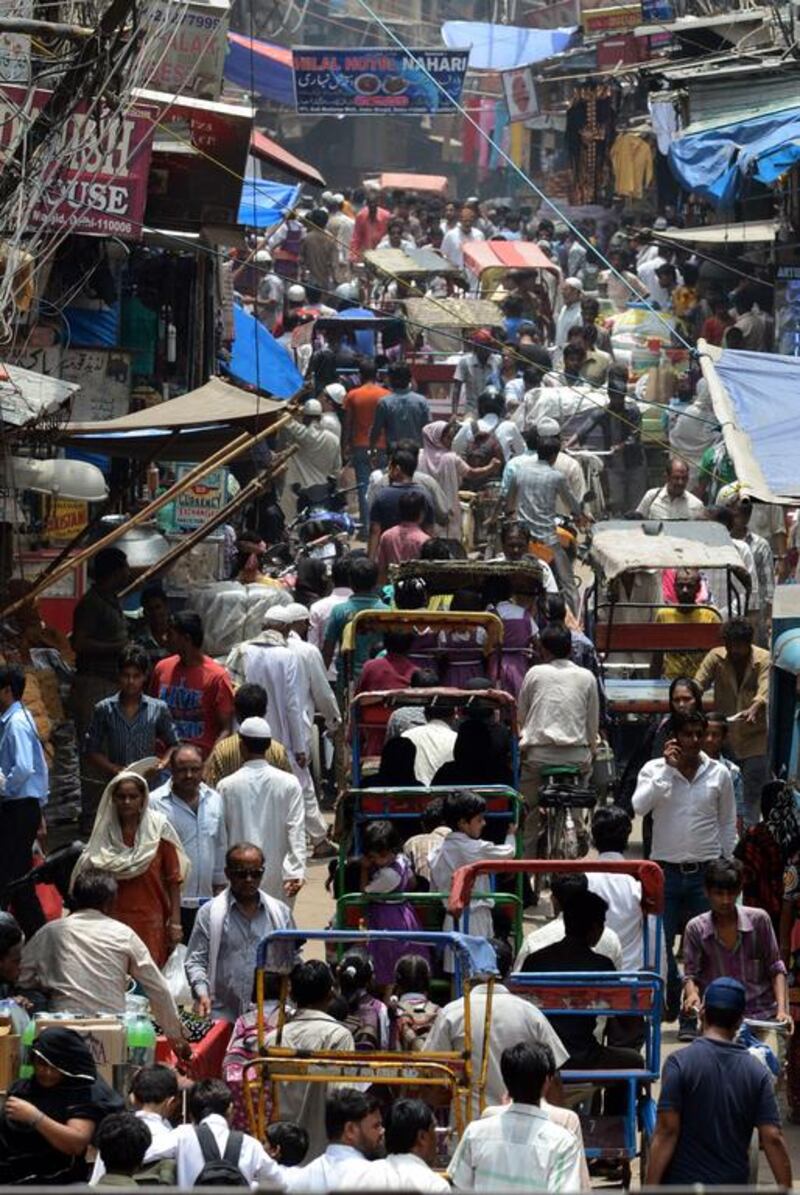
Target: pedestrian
x=24, y=789
x=370, y=225
x=411, y=1150
x=318, y=456
x=462, y=233
x=99, y=633
x=520, y=1146
x=403, y=468
x=359, y=414
x=195, y=812
x=130, y=725
x=153, y=632
x=320, y=610
x=714, y=1095
x=404, y=540
x=402, y=413
x=195, y=687
x=364, y=580
x=354, y=1133
x=86, y=961
x=249, y=701
x=611, y=831
x=154, y=1098
x=319, y=257
x=570, y=315
x=221, y=954
x=620, y=429
x=672, y=500
x=477, y=369
x=739, y=673
x=263, y=805
x=694, y=821
x=121, y=1142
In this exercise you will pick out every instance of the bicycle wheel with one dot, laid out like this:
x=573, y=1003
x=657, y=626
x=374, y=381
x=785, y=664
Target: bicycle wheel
x=556, y=833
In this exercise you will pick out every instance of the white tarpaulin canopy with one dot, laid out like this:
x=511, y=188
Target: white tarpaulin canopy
x=26, y=396
x=620, y=546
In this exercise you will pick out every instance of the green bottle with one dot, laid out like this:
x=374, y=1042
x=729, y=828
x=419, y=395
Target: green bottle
x=141, y=1041
x=28, y=1038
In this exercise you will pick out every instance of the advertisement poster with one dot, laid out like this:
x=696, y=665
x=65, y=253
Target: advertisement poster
x=787, y=311
x=370, y=82
x=520, y=92
x=600, y=16
x=191, y=62
x=94, y=192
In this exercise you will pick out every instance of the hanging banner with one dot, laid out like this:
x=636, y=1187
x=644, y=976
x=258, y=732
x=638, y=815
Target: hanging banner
x=600, y=16
x=520, y=92
x=371, y=82
x=97, y=183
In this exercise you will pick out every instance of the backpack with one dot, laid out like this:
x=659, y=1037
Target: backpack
x=483, y=449
x=363, y=1021
x=220, y=1170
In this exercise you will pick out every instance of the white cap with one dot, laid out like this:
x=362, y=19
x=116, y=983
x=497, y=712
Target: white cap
x=312, y=407
x=335, y=392
x=295, y=612
x=263, y=255
x=338, y=197
x=573, y=282
x=256, y=728
x=327, y=196
x=660, y=223
x=548, y=427
x=297, y=293
x=371, y=184
x=347, y=290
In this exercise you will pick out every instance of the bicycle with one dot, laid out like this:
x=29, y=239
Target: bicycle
x=564, y=801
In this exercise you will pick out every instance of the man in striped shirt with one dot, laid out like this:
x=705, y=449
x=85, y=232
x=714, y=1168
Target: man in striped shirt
x=249, y=701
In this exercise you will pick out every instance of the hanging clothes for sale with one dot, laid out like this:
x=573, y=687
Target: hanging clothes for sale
x=632, y=161
x=590, y=131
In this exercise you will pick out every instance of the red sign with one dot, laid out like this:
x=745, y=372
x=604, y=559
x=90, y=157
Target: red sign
x=97, y=181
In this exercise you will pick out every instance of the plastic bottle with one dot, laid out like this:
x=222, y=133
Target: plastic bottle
x=28, y=1037
x=141, y=1041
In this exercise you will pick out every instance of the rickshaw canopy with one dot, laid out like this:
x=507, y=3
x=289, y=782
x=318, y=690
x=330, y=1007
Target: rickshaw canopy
x=619, y=546
x=450, y=576
x=476, y=954
x=377, y=622
x=409, y=263
x=503, y=256
x=427, y=184
x=449, y=698
x=646, y=871
x=454, y=313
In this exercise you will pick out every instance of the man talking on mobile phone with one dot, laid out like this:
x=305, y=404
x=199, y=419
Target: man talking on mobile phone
x=694, y=821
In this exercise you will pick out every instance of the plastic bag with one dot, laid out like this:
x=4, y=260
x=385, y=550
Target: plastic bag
x=174, y=972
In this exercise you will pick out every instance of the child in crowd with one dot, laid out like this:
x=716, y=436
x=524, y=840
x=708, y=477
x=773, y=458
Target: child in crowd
x=412, y=1011
x=366, y=1016
x=122, y=1140
x=243, y=1044
x=464, y=813
x=287, y=1142
x=385, y=869
x=714, y=745
x=419, y=846
x=153, y=1096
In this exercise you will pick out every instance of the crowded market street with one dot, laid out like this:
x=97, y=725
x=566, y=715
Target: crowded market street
x=399, y=595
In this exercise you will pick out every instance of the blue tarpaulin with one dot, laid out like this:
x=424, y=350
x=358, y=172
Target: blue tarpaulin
x=258, y=360
x=260, y=67
x=714, y=162
x=502, y=47
x=264, y=203
x=762, y=432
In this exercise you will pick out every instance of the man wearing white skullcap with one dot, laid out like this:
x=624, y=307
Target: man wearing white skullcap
x=264, y=805
x=570, y=315
x=340, y=227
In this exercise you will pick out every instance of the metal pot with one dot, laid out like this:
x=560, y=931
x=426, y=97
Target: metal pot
x=144, y=544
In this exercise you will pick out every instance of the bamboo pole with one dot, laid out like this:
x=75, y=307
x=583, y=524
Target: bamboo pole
x=251, y=490
x=216, y=461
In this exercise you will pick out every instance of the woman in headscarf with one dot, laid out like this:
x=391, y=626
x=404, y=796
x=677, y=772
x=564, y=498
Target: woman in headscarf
x=397, y=766
x=140, y=848
x=50, y=1119
x=446, y=467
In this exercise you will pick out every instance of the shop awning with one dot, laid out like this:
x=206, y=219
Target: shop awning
x=751, y=232
x=263, y=147
x=755, y=401
x=713, y=159
x=26, y=396
x=260, y=67
x=185, y=428
x=264, y=202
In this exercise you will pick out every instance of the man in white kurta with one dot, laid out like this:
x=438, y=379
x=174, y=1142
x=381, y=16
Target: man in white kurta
x=318, y=695
x=265, y=806
x=267, y=661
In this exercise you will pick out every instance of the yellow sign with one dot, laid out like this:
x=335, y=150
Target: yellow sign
x=600, y=16
x=67, y=517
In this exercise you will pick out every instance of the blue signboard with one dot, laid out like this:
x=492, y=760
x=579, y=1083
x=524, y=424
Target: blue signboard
x=368, y=82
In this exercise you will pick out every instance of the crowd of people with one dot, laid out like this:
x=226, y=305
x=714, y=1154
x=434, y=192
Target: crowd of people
x=203, y=799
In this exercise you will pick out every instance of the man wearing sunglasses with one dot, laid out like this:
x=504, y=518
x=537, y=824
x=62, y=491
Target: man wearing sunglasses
x=221, y=955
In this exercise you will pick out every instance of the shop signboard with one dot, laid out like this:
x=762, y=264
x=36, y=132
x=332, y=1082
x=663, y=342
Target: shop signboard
x=372, y=82
x=601, y=16
x=15, y=48
x=96, y=181
x=103, y=374
x=66, y=517
x=189, y=60
x=200, y=501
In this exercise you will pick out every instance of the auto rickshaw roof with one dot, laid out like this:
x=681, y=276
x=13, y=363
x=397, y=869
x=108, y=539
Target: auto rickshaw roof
x=404, y=263
x=507, y=255
x=621, y=545
x=454, y=313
